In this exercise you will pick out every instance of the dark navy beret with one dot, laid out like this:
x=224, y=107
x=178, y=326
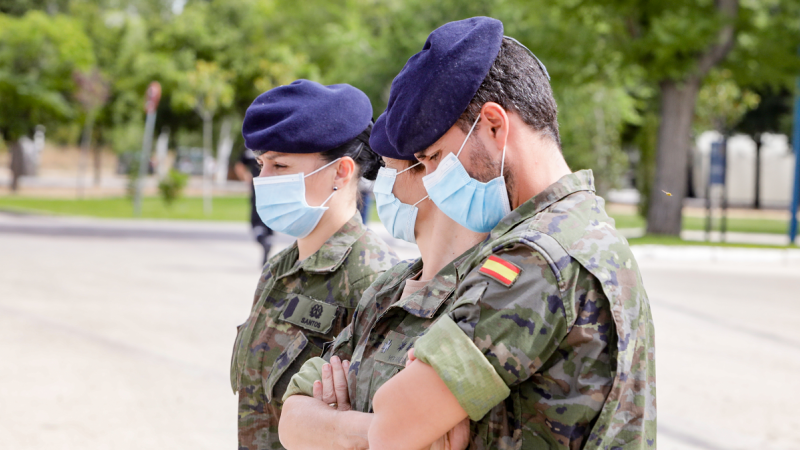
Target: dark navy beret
x=379, y=141
x=436, y=85
x=306, y=117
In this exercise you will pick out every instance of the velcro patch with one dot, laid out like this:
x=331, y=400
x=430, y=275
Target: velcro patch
x=394, y=349
x=500, y=270
x=309, y=314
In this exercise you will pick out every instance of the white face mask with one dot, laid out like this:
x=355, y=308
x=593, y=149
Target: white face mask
x=399, y=218
x=281, y=203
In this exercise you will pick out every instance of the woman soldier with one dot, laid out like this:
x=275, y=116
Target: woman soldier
x=312, y=143
x=393, y=313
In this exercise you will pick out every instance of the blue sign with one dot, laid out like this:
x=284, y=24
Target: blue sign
x=717, y=170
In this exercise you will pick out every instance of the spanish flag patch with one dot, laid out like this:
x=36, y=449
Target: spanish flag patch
x=501, y=270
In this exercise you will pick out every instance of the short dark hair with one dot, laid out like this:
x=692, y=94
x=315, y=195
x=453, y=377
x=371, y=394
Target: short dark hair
x=516, y=82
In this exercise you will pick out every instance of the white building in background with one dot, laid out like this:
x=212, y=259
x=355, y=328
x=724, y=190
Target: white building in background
x=777, y=169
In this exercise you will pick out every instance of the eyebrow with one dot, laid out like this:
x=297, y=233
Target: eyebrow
x=424, y=154
x=272, y=155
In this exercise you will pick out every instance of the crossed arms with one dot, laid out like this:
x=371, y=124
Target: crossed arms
x=413, y=410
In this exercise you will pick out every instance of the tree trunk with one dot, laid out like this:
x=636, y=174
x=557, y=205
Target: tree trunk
x=672, y=156
x=97, y=156
x=757, y=201
x=17, y=164
x=207, y=129
x=86, y=142
x=678, y=100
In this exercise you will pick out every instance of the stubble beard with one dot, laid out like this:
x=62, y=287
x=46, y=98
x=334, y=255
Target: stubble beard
x=485, y=169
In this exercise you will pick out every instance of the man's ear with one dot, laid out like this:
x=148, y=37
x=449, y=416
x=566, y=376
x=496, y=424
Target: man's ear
x=495, y=118
x=345, y=170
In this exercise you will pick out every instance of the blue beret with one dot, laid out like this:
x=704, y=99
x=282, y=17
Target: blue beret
x=437, y=84
x=306, y=117
x=379, y=141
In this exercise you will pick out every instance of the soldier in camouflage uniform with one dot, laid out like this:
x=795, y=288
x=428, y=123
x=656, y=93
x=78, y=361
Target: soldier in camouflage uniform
x=547, y=340
x=302, y=303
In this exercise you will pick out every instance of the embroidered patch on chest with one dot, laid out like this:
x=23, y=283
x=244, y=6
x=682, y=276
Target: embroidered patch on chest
x=310, y=314
x=500, y=270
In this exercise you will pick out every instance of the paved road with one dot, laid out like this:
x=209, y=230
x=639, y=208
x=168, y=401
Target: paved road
x=122, y=340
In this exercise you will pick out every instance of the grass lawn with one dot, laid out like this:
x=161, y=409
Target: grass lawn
x=191, y=208
x=236, y=208
x=769, y=226
x=652, y=239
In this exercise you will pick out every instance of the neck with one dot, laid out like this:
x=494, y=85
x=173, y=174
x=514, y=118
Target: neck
x=442, y=242
x=537, y=164
x=332, y=221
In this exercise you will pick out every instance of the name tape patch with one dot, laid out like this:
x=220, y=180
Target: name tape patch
x=309, y=314
x=500, y=270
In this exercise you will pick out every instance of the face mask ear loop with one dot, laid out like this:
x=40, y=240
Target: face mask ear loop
x=423, y=198
x=468, y=135
x=409, y=168
x=326, y=200
x=326, y=165
x=503, y=160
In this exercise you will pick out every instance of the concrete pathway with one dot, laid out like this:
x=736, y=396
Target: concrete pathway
x=117, y=334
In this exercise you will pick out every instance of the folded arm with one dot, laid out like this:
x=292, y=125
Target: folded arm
x=325, y=420
x=450, y=381
x=309, y=423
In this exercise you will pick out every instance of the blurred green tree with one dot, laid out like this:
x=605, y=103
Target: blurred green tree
x=672, y=47
x=37, y=57
x=205, y=90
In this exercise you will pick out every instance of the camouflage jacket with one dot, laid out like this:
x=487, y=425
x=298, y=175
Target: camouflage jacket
x=553, y=306
x=385, y=327
x=298, y=307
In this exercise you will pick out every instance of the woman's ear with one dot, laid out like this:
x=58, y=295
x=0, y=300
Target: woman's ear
x=345, y=171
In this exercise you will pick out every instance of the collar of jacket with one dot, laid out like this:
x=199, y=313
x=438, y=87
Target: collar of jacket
x=582, y=180
x=426, y=301
x=329, y=257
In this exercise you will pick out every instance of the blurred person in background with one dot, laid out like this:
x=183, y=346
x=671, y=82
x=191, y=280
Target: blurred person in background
x=247, y=168
x=312, y=143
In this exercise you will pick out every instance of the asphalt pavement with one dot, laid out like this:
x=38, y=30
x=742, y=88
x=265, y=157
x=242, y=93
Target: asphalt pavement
x=117, y=334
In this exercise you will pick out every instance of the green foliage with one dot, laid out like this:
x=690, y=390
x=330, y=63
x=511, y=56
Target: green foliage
x=645, y=141
x=721, y=103
x=205, y=89
x=171, y=187
x=127, y=137
x=606, y=60
x=37, y=57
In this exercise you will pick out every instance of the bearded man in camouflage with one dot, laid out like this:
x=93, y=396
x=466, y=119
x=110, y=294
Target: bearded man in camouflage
x=548, y=342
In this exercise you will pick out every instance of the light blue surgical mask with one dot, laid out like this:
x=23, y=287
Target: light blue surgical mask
x=399, y=218
x=472, y=204
x=281, y=203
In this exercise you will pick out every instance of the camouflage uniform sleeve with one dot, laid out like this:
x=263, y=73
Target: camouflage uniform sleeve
x=302, y=383
x=515, y=326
